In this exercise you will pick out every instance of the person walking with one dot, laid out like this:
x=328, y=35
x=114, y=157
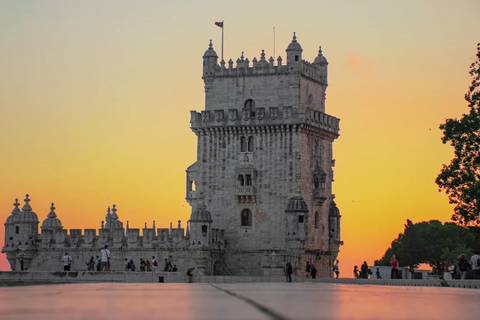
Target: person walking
x=91, y=264
x=313, y=272
x=105, y=266
x=307, y=269
x=378, y=274
x=475, y=264
x=355, y=272
x=336, y=269
x=67, y=262
x=288, y=272
x=149, y=265
x=394, y=264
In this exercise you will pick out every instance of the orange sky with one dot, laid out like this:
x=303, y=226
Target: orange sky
x=95, y=100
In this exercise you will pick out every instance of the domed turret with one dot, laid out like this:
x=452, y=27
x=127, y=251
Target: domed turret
x=15, y=212
x=52, y=222
x=26, y=215
x=209, y=60
x=114, y=222
x=294, y=51
x=320, y=60
x=201, y=214
x=297, y=204
x=334, y=221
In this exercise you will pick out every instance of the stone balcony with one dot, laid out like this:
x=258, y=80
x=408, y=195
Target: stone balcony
x=245, y=191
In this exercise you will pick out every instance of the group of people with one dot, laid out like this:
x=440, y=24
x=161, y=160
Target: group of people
x=310, y=271
x=147, y=265
x=460, y=269
x=363, y=273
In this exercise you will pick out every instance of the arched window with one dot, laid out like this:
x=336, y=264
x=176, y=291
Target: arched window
x=246, y=218
x=250, y=106
x=241, y=181
x=204, y=229
x=317, y=220
x=250, y=144
x=243, y=144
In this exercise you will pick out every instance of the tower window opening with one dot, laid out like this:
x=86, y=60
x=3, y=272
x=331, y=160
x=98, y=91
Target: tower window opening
x=243, y=144
x=300, y=219
x=296, y=58
x=250, y=106
x=317, y=220
x=250, y=144
x=204, y=229
x=248, y=180
x=246, y=218
x=241, y=181
x=17, y=230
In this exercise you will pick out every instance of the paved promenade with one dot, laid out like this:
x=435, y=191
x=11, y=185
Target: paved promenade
x=235, y=301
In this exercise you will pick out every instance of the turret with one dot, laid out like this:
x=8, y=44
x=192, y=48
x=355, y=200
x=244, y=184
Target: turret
x=10, y=227
x=297, y=218
x=26, y=226
x=200, y=224
x=334, y=223
x=209, y=61
x=294, y=52
x=321, y=63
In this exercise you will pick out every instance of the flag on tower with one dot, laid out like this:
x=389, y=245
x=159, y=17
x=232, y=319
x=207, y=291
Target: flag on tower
x=219, y=24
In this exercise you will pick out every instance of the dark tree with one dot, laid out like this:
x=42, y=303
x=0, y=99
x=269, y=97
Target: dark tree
x=461, y=178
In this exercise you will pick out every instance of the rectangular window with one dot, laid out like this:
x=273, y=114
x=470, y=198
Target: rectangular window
x=300, y=219
x=17, y=230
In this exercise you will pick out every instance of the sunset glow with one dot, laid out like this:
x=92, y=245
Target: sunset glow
x=95, y=99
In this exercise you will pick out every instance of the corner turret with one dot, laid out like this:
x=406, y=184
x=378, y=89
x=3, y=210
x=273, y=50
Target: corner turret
x=200, y=224
x=294, y=52
x=210, y=59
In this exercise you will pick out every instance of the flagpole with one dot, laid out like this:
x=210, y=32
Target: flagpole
x=274, y=42
x=223, y=26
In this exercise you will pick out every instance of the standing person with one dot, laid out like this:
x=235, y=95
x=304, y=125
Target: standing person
x=91, y=264
x=105, y=258
x=463, y=265
x=132, y=265
x=355, y=272
x=313, y=272
x=127, y=265
x=394, y=265
x=307, y=269
x=174, y=269
x=475, y=264
x=98, y=263
x=149, y=266
x=67, y=262
x=336, y=269
x=154, y=264
x=142, y=264
x=378, y=274
x=288, y=272
x=364, y=270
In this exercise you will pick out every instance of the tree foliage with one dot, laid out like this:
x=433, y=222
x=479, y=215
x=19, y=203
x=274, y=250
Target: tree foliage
x=461, y=178
x=431, y=242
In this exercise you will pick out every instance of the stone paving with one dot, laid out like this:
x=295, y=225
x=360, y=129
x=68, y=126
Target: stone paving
x=229, y=301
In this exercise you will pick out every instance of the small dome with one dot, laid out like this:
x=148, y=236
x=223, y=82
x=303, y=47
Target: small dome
x=201, y=214
x=15, y=211
x=297, y=204
x=116, y=224
x=294, y=45
x=26, y=215
x=333, y=210
x=320, y=59
x=210, y=52
x=52, y=222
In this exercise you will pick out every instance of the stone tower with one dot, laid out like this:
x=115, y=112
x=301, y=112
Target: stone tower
x=264, y=162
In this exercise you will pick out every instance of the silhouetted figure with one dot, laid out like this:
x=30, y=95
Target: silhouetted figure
x=190, y=275
x=378, y=274
x=288, y=272
x=364, y=270
x=336, y=269
x=355, y=272
x=313, y=272
x=307, y=269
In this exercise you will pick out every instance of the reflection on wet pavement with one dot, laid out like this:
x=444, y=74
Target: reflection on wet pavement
x=236, y=301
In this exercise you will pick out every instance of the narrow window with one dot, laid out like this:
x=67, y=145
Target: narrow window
x=243, y=144
x=250, y=106
x=317, y=220
x=300, y=219
x=246, y=218
x=204, y=229
x=250, y=144
x=296, y=58
x=310, y=100
x=17, y=230
x=241, y=181
x=248, y=179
